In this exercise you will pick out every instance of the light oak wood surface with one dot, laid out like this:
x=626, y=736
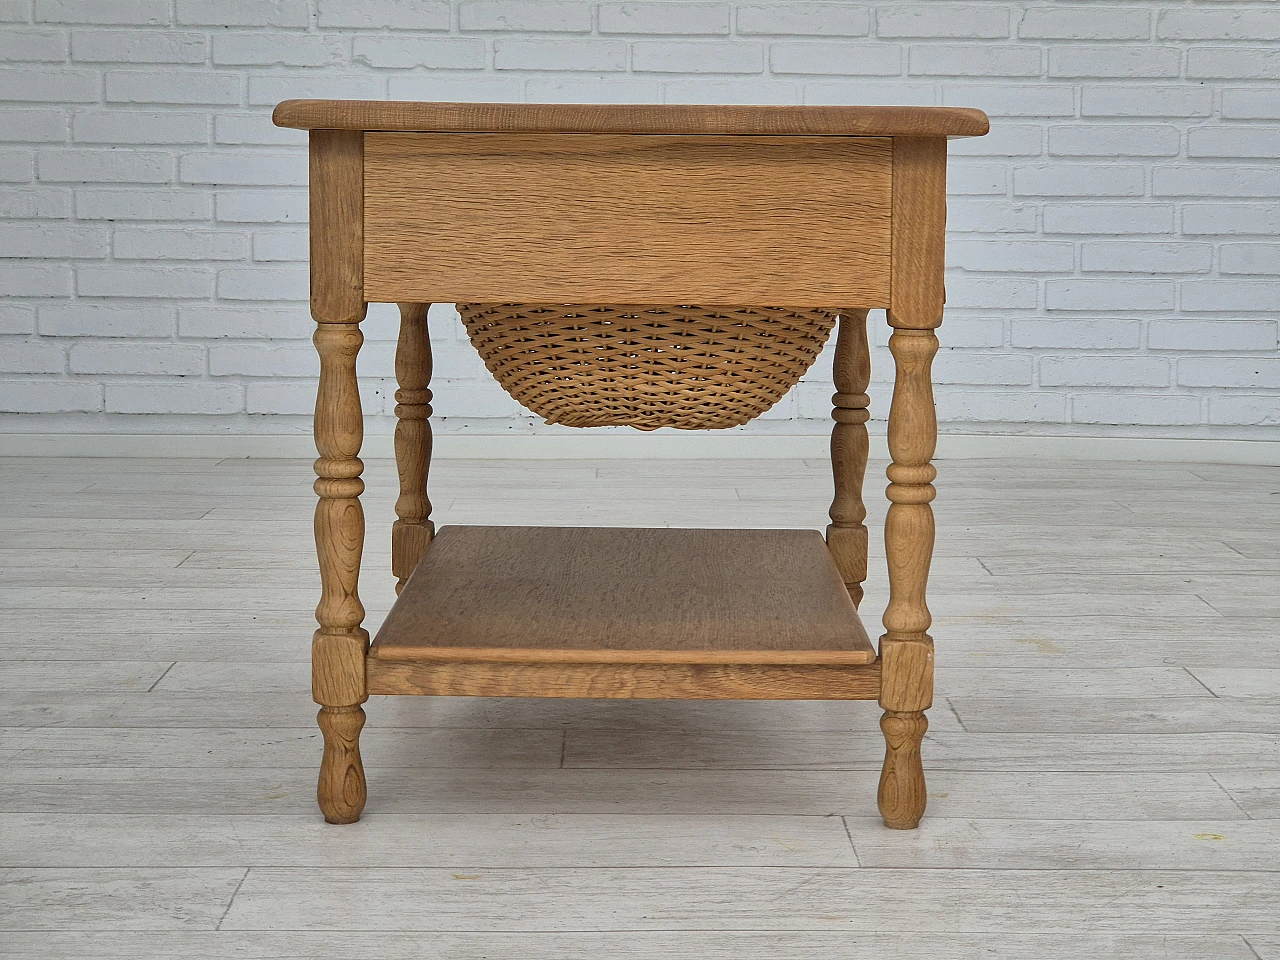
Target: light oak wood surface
x=627, y=219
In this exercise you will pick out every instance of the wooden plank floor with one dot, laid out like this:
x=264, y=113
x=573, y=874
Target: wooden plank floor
x=1103, y=756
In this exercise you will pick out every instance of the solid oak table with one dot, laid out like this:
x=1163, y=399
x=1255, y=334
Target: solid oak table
x=417, y=203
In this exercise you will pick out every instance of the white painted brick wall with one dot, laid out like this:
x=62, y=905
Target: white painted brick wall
x=1114, y=266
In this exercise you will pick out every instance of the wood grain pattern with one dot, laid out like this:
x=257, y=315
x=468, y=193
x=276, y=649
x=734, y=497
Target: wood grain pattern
x=411, y=534
x=339, y=645
x=336, y=177
x=919, y=232
x=665, y=681
x=618, y=219
x=573, y=594
x=844, y=121
x=847, y=534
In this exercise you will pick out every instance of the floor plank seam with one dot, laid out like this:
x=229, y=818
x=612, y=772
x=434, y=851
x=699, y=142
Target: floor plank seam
x=1201, y=682
x=243, y=878
x=162, y=676
x=852, y=846
x=1230, y=796
x=1257, y=955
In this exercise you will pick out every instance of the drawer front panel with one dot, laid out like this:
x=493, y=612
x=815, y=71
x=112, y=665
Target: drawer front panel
x=572, y=218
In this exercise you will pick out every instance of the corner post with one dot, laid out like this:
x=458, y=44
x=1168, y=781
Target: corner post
x=411, y=534
x=847, y=534
x=339, y=646
x=915, y=311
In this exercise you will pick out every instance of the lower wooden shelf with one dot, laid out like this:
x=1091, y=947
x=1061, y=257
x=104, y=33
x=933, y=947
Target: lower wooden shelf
x=625, y=612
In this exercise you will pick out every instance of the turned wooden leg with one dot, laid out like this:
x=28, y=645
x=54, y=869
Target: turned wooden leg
x=847, y=534
x=412, y=533
x=342, y=788
x=902, y=797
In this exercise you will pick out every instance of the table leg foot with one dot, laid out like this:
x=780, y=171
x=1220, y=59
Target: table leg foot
x=902, y=794
x=341, y=790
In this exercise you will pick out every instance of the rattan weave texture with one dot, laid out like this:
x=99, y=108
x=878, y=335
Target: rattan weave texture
x=689, y=367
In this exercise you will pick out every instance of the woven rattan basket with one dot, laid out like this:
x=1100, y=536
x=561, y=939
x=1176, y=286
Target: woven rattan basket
x=600, y=365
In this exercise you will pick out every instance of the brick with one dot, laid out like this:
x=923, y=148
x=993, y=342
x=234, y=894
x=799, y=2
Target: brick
x=261, y=206
x=1243, y=295
x=1149, y=100
x=959, y=366
x=814, y=57
x=35, y=280
x=1013, y=100
x=49, y=396
x=150, y=13
x=254, y=129
x=1008, y=293
x=264, y=360
x=137, y=126
x=655, y=56
x=44, y=204
x=976, y=179
x=949, y=22
x=1223, y=141
x=534, y=16
x=987, y=217
x=1137, y=256
x=178, y=283
x=1084, y=23
x=223, y=321
x=15, y=11
x=1220, y=24
x=472, y=399
x=541, y=54
x=1231, y=219
x=1004, y=140
x=281, y=245
x=244, y=13
x=730, y=91
x=1000, y=406
x=1253, y=411
x=665, y=17
x=964, y=60
x=434, y=86
x=244, y=167
x=1249, y=258
x=1186, y=180
x=52, y=241
x=1114, y=61
x=16, y=318
x=15, y=166
x=191, y=398
x=34, y=125
x=1261, y=63
x=142, y=205
x=1069, y=334
x=138, y=46
x=270, y=90
x=98, y=166
x=599, y=89
x=1251, y=104
x=298, y=397
x=148, y=86
x=1135, y=409
x=51, y=85
x=31, y=356
x=99, y=320
x=960, y=332
x=804, y=19
x=271, y=283
x=386, y=14
x=1129, y=296
x=171, y=359
x=1079, y=180
x=889, y=93
x=435, y=53
x=32, y=46
x=1104, y=371
x=151, y=243
x=1229, y=372
x=1113, y=140
x=279, y=50
x=1011, y=256
x=1205, y=335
